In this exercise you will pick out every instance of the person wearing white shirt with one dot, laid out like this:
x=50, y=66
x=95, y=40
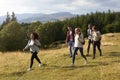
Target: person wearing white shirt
x=78, y=45
x=96, y=36
x=89, y=34
x=33, y=44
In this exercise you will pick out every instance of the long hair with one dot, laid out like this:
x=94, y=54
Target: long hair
x=78, y=30
x=35, y=35
x=95, y=28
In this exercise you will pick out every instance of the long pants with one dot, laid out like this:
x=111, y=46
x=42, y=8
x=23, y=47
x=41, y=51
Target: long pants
x=96, y=44
x=71, y=44
x=81, y=52
x=34, y=55
x=89, y=43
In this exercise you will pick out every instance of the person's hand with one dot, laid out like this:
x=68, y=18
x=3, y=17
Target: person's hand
x=66, y=44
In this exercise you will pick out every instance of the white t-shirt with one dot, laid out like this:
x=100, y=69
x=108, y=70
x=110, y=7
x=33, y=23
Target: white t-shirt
x=89, y=32
x=96, y=35
x=78, y=40
x=71, y=36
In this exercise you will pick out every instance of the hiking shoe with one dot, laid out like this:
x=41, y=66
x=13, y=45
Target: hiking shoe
x=29, y=69
x=40, y=65
x=86, y=62
x=72, y=65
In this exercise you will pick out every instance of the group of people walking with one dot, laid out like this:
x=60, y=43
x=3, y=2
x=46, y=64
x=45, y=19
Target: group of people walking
x=94, y=39
x=74, y=40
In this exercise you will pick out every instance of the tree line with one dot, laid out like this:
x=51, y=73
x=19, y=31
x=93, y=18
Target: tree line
x=14, y=35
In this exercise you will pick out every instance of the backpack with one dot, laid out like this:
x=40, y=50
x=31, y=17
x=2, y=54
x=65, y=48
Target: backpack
x=83, y=43
x=96, y=36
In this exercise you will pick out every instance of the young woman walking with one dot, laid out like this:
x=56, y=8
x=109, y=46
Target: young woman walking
x=96, y=35
x=79, y=40
x=33, y=44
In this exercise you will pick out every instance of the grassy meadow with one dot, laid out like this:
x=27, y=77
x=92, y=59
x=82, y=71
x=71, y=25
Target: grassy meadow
x=13, y=65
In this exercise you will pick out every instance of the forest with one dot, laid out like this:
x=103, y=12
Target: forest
x=14, y=35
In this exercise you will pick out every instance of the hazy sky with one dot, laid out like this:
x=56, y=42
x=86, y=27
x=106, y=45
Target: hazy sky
x=52, y=6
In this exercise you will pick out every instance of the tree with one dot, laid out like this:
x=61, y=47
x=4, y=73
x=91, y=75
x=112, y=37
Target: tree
x=32, y=27
x=13, y=17
x=12, y=37
x=55, y=31
x=7, y=18
x=1, y=26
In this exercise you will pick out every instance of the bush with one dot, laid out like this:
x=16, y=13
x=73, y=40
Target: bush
x=12, y=37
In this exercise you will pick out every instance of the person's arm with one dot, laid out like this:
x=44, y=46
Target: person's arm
x=81, y=38
x=37, y=43
x=92, y=36
x=99, y=33
x=27, y=46
x=88, y=32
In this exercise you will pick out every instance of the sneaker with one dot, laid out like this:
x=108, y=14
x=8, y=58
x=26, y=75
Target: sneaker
x=40, y=65
x=86, y=62
x=29, y=69
x=72, y=65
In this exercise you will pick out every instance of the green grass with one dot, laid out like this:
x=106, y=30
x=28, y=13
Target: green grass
x=13, y=65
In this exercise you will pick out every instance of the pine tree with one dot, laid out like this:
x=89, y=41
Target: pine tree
x=7, y=18
x=6, y=21
x=13, y=17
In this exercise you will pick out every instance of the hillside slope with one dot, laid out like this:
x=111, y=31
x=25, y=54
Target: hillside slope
x=13, y=65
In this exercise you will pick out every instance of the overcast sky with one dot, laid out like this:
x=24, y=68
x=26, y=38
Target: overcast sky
x=53, y=6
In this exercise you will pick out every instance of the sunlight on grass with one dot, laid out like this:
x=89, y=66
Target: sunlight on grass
x=56, y=66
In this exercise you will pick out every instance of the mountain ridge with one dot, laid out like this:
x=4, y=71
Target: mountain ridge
x=31, y=17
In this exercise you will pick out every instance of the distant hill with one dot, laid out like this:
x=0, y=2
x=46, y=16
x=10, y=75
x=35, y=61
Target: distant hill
x=30, y=17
